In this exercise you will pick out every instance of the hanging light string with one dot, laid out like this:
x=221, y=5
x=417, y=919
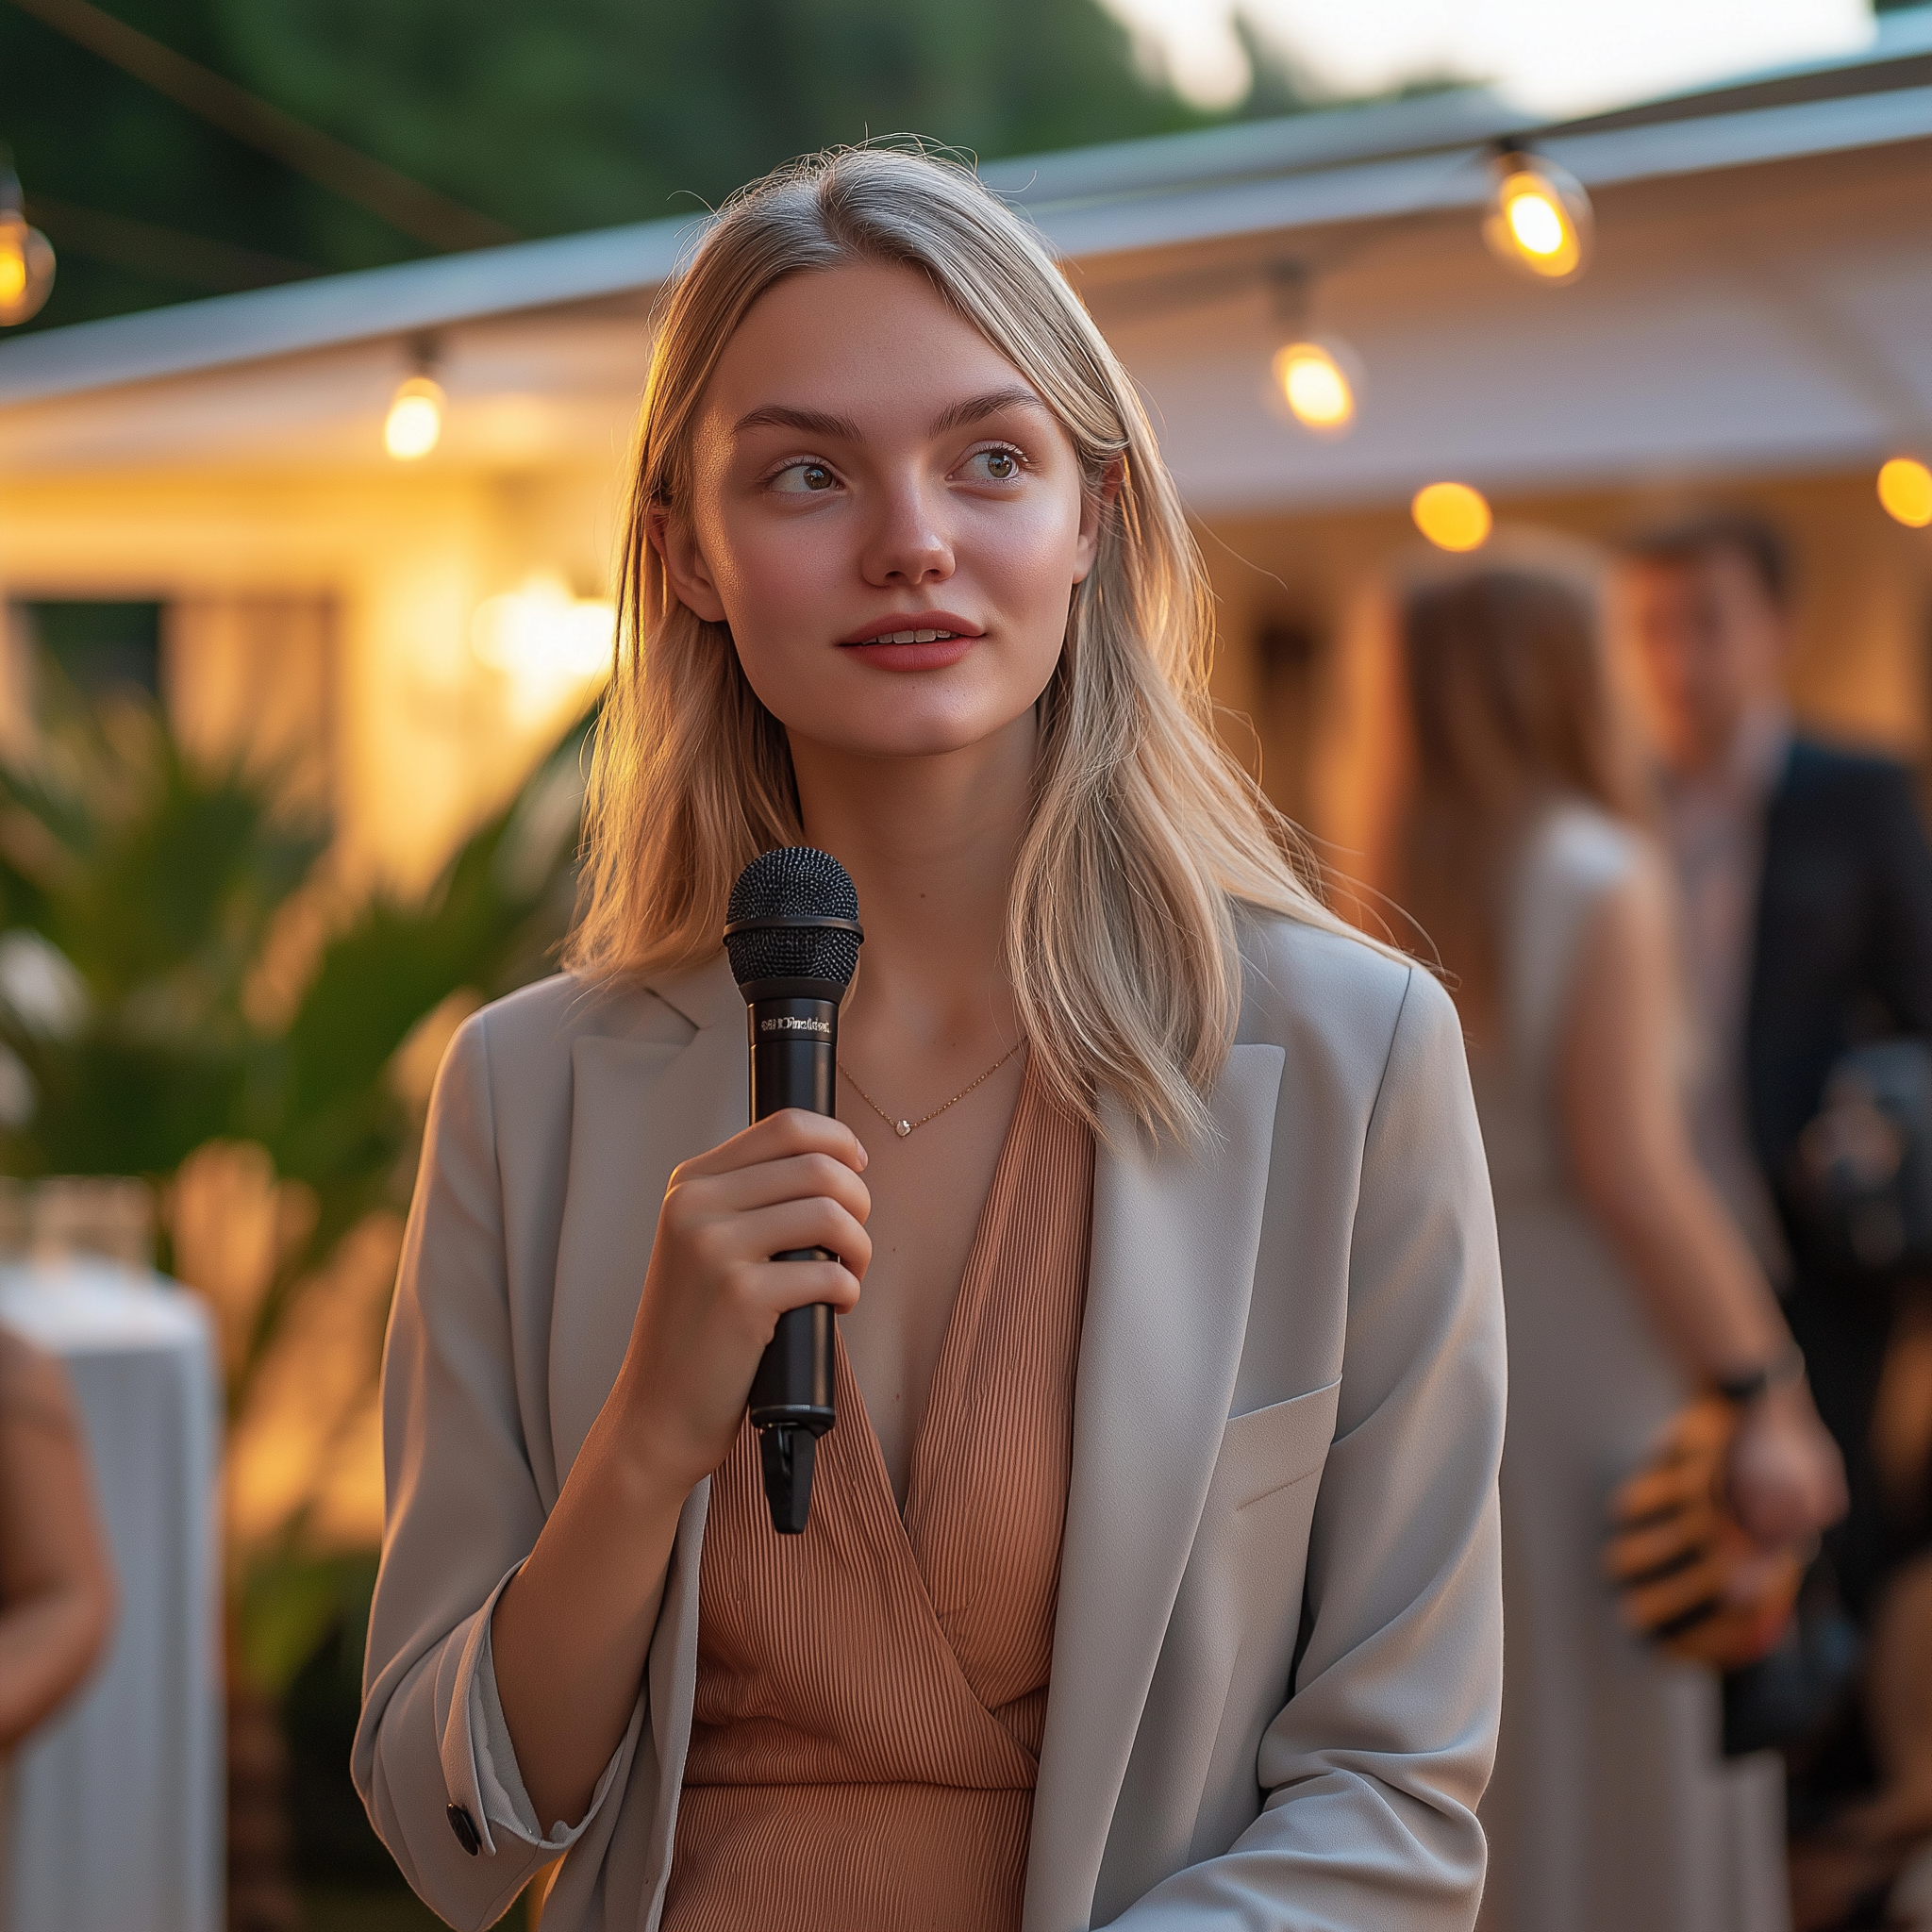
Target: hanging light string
x=152, y=249
x=424, y=213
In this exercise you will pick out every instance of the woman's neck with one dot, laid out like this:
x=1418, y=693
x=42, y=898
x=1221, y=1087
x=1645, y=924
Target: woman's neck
x=930, y=843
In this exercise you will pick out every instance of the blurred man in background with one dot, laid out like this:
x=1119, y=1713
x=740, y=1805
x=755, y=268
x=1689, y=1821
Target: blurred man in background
x=1806, y=887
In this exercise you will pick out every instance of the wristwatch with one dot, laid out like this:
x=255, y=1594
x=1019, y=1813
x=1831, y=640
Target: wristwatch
x=1784, y=1370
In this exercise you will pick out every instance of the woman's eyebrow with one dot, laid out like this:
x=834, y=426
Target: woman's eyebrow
x=812, y=421
x=976, y=409
x=818, y=422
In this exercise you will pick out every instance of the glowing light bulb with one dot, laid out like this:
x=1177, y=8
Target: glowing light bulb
x=550, y=645
x=1452, y=516
x=26, y=265
x=414, y=424
x=1315, y=386
x=1540, y=221
x=1904, y=488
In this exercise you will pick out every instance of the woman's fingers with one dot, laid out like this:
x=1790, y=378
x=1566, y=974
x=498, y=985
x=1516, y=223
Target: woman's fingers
x=793, y=1177
x=713, y=1292
x=777, y=1137
x=785, y=1285
x=787, y=1225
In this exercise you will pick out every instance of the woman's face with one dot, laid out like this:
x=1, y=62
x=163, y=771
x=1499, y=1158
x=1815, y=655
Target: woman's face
x=886, y=514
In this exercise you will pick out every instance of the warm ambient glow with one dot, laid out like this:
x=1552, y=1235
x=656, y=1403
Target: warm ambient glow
x=1904, y=488
x=415, y=420
x=27, y=268
x=1452, y=516
x=547, y=643
x=1315, y=386
x=1540, y=221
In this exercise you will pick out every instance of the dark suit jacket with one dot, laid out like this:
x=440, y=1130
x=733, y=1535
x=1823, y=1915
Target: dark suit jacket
x=1844, y=932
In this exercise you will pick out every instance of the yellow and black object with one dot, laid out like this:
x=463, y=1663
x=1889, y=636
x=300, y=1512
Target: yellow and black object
x=1686, y=1574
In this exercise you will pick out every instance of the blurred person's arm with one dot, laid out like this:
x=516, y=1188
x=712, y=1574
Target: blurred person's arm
x=56, y=1587
x=1631, y=1160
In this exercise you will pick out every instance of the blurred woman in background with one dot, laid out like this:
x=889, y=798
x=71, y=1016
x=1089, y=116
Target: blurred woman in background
x=1522, y=849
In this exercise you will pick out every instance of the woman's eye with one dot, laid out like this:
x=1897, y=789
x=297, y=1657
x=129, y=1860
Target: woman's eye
x=804, y=479
x=993, y=465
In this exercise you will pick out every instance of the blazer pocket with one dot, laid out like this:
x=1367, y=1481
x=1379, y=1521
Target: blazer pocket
x=1268, y=1449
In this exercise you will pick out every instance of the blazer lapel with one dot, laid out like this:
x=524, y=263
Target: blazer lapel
x=639, y=1107
x=1175, y=1235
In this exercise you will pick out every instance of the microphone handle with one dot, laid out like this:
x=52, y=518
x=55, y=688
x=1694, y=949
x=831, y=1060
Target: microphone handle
x=795, y=1057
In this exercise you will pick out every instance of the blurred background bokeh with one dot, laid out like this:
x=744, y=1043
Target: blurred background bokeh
x=309, y=470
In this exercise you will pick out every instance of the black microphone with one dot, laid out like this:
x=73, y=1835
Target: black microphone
x=793, y=934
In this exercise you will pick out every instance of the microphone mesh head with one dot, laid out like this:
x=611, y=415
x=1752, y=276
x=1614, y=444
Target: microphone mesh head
x=793, y=882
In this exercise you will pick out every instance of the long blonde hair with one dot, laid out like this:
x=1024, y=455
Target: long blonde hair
x=1511, y=708
x=1120, y=939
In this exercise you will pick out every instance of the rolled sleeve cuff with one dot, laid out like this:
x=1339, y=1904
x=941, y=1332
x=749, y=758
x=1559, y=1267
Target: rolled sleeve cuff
x=480, y=1763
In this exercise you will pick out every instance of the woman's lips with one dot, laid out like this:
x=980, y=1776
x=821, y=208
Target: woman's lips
x=947, y=648
x=925, y=643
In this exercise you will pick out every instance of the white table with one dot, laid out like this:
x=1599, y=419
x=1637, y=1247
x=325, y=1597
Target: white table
x=119, y=1802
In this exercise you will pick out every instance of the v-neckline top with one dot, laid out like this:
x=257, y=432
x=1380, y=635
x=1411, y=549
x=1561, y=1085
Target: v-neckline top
x=871, y=1695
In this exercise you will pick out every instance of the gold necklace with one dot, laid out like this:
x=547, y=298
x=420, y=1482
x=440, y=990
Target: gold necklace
x=903, y=1127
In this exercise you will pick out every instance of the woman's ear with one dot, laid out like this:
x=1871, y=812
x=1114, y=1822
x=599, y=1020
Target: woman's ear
x=676, y=545
x=1094, y=505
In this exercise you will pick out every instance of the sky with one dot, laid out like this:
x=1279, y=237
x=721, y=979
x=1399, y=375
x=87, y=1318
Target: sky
x=1553, y=57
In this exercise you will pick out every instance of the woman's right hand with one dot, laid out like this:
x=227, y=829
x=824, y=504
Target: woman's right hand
x=1787, y=1479
x=712, y=1294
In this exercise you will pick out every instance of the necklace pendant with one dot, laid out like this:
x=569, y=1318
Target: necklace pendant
x=902, y=1128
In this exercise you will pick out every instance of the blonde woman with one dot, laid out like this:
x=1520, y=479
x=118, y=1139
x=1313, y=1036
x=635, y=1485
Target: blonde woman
x=1523, y=853
x=1151, y=1577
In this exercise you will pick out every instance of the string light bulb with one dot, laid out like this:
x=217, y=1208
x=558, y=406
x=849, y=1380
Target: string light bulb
x=1540, y=221
x=1314, y=382
x=1905, y=488
x=1318, y=378
x=1452, y=516
x=414, y=424
x=26, y=257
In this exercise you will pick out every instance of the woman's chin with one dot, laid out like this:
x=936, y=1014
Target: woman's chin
x=895, y=715
x=905, y=732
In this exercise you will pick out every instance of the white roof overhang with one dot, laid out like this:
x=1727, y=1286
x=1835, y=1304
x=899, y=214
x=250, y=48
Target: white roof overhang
x=1763, y=251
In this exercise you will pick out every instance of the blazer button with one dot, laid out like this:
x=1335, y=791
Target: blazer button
x=465, y=1829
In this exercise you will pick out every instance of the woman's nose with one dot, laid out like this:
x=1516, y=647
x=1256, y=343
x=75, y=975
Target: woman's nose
x=907, y=544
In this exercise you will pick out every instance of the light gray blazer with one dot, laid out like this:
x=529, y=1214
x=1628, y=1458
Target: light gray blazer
x=1278, y=1658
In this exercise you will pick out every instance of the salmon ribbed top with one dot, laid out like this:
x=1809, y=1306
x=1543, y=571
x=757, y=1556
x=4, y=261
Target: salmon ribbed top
x=871, y=1695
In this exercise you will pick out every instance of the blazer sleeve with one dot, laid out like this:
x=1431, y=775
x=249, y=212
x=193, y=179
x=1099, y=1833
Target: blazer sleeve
x=1372, y=1769
x=462, y=1513
x=1901, y=937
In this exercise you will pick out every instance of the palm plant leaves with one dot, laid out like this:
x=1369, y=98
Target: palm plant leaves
x=147, y=883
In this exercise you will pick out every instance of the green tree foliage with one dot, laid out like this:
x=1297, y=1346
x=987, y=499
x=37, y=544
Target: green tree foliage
x=589, y=111
x=569, y=115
